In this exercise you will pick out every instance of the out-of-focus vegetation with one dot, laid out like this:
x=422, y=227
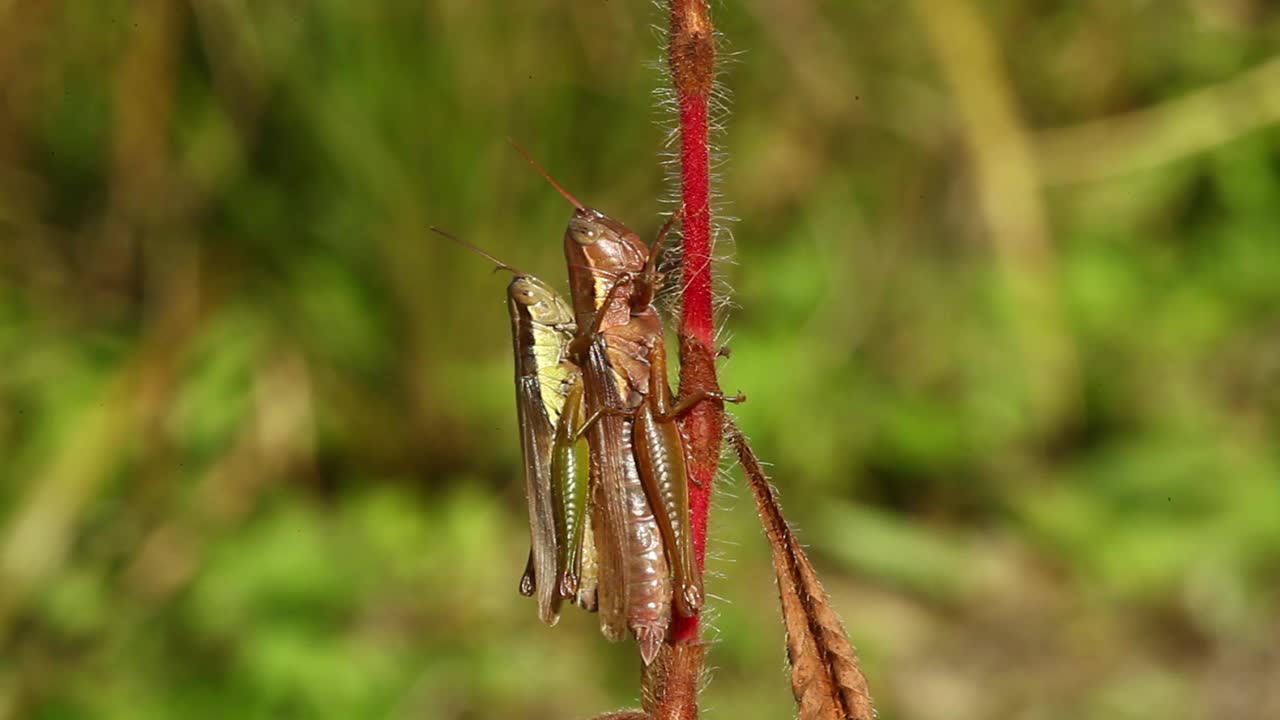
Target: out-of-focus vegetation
x=1009, y=287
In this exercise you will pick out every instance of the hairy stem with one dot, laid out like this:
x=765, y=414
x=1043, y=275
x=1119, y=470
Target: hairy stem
x=692, y=61
x=670, y=684
x=671, y=689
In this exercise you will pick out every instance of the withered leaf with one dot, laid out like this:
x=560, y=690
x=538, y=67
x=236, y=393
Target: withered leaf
x=825, y=676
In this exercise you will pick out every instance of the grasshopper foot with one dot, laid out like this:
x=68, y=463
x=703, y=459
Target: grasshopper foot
x=568, y=586
x=738, y=398
x=690, y=600
x=527, y=585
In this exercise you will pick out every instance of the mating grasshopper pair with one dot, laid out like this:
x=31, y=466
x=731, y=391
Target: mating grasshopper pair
x=604, y=458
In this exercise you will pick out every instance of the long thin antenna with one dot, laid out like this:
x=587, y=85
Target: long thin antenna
x=481, y=252
x=567, y=196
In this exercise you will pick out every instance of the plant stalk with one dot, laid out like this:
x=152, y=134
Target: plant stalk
x=691, y=48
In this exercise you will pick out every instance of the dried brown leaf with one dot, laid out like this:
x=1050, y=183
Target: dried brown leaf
x=825, y=676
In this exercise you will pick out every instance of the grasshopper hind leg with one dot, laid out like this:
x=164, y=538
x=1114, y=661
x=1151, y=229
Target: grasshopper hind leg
x=570, y=470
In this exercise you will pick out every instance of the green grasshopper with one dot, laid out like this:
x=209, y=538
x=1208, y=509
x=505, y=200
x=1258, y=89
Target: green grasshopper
x=640, y=496
x=549, y=404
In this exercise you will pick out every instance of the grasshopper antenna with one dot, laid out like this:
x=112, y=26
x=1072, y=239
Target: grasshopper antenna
x=481, y=252
x=560, y=188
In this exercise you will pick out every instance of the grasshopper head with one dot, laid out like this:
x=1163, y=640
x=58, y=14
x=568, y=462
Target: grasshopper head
x=533, y=298
x=607, y=243
x=599, y=250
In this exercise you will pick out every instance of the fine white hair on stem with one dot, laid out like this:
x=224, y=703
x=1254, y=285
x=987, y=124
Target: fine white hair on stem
x=667, y=109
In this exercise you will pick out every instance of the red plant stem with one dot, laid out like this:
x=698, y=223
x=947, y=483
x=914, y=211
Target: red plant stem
x=697, y=320
x=692, y=63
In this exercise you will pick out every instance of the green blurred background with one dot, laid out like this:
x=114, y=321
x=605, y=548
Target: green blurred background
x=1008, y=287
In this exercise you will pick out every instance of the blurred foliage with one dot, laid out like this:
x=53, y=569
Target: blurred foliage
x=1007, y=280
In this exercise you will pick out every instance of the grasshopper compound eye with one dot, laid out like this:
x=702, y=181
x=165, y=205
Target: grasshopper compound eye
x=524, y=293
x=585, y=231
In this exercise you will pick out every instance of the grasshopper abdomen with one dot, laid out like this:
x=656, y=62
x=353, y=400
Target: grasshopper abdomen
x=649, y=591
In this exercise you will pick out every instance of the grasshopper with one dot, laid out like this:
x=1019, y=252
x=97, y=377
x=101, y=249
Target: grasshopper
x=640, y=496
x=549, y=405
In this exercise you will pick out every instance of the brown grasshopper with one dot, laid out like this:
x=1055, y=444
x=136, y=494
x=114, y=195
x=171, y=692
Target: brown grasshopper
x=640, y=498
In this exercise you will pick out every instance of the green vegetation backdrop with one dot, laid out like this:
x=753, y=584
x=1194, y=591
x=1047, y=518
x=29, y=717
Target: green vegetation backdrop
x=1008, y=315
